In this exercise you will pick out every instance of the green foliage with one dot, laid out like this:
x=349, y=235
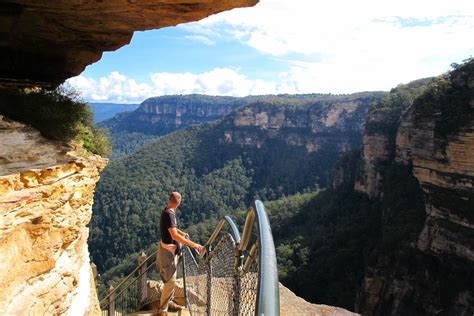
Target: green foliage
x=126, y=143
x=58, y=114
x=447, y=100
x=402, y=206
x=392, y=105
x=325, y=241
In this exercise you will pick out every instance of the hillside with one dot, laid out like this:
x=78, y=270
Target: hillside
x=260, y=150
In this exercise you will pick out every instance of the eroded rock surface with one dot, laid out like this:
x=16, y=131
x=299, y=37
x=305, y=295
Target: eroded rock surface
x=46, y=193
x=50, y=41
x=290, y=304
x=446, y=175
x=315, y=126
x=433, y=275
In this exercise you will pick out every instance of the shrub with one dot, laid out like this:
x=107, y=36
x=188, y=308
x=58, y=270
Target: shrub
x=58, y=114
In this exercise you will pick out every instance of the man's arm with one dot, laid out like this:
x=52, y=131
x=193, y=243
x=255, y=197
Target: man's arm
x=186, y=235
x=180, y=238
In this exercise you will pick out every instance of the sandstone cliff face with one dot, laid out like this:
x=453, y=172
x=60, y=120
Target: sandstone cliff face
x=162, y=115
x=446, y=175
x=376, y=150
x=168, y=113
x=380, y=132
x=46, y=193
x=50, y=41
x=338, y=124
x=434, y=274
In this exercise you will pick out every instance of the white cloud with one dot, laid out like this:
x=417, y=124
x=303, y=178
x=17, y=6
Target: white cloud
x=200, y=38
x=118, y=88
x=335, y=46
x=113, y=88
x=364, y=44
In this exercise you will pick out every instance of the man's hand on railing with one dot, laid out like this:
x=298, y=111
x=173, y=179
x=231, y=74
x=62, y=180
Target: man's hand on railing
x=199, y=249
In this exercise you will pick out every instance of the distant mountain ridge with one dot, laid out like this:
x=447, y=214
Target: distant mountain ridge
x=159, y=116
x=104, y=111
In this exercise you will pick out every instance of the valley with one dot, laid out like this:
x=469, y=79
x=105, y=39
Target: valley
x=348, y=192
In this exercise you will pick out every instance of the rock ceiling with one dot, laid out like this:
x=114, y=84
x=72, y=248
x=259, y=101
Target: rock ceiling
x=45, y=42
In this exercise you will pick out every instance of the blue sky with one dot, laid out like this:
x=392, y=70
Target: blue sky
x=280, y=46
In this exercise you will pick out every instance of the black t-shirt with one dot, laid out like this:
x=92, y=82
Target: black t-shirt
x=167, y=220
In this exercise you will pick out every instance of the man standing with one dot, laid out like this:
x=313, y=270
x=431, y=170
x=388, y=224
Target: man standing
x=167, y=258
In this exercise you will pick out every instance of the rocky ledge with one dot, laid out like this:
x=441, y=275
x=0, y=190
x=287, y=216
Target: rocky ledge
x=46, y=193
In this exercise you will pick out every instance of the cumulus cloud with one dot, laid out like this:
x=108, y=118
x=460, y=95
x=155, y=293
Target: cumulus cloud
x=118, y=88
x=337, y=46
x=113, y=88
x=364, y=44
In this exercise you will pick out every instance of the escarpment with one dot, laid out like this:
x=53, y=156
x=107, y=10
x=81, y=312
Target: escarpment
x=433, y=273
x=165, y=114
x=380, y=132
x=337, y=124
x=46, y=192
x=46, y=42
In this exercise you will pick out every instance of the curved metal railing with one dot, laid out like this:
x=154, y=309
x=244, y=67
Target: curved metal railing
x=131, y=294
x=235, y=275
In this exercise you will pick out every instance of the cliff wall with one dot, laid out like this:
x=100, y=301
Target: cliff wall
x=380, y=132
x=433, y=274
x=46, y=193
x=162, y=115
x=338, y=125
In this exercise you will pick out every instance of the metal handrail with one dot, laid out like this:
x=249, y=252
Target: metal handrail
x=249, y=220
x=136, y=278
x=106, y=298
x=268, y=287
x=267, y=298
x=234, y=232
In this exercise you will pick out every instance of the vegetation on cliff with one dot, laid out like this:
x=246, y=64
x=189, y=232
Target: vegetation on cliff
x=448, y=100
x=392, y=105
x=58, y=114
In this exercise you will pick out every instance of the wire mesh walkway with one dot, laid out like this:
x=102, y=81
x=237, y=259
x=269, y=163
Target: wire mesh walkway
x=236, y=275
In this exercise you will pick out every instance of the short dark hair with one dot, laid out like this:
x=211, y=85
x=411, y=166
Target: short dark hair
x=175, y=197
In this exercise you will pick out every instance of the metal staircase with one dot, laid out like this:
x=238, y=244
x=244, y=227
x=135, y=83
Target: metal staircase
x=236, y=274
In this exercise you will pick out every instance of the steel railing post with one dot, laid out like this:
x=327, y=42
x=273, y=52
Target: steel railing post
x=142, y=288
x=111, y=310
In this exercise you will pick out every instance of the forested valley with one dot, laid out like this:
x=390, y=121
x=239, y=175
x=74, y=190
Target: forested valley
x=329, y=230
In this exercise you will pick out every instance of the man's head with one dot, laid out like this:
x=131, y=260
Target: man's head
x=174, y=200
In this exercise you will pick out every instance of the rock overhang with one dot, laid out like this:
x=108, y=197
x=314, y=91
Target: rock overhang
x=42, y=43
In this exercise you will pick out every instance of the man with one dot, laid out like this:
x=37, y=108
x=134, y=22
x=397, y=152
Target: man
x=167, y=258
